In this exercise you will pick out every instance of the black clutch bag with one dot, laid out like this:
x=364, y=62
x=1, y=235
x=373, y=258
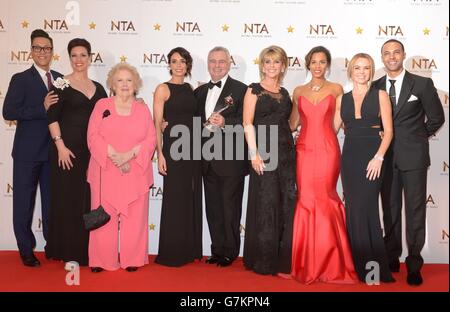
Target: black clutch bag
x=95, y=218
x=98, y=217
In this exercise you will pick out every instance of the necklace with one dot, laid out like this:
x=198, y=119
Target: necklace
x=316, y=88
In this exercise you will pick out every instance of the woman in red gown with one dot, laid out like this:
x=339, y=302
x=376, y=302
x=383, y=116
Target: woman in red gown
x=320, y=249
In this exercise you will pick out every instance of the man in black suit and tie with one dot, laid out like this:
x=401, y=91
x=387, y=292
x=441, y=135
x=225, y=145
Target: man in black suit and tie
x=417, y=114
x=24, y=102
x=223, y=179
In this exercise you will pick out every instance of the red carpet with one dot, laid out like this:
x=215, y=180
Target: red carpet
x=194, y=277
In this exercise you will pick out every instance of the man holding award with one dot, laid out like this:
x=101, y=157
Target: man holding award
x=220, y=106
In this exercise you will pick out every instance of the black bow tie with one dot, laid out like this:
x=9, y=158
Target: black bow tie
x=218, y=84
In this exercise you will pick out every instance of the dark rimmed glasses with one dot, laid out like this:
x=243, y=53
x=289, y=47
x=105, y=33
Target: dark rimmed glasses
x=39, y=49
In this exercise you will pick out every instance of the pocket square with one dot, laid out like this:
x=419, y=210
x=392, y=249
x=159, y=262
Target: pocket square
x=412, y=98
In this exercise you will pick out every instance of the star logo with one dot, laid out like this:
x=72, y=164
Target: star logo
x=157, y=27
x=123, y=58
x=359, y=31
x=290, y=29
x=225, y=28
x=25, y=24
x=426, y=31
x=56, y=57
x=152, y=227
x=92, y=25
x=256, y=61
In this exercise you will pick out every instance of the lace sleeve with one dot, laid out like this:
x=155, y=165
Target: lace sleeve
x=256, y=88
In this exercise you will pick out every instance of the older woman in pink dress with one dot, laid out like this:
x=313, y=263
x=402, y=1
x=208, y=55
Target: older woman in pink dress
x=121, y=138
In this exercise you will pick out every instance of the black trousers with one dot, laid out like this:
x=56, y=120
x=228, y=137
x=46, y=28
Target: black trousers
x=413, y=183
x=223, y=196
x=26, y=177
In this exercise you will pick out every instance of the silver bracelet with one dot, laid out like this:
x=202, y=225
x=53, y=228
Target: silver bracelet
x=252, y=153
x=378, y=157
x=56, y=138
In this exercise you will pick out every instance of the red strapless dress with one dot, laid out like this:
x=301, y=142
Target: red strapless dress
x=320, y=249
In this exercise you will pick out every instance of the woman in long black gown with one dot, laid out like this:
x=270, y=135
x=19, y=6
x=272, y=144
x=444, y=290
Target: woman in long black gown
x=362, y=157
x=272, y=191
x=180, y=236
x=68, y=119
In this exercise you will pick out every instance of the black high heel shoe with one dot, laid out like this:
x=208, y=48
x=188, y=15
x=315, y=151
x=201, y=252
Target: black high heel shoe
x=131, y=269
x=96, y=269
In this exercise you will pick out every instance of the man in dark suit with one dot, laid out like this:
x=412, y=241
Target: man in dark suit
x=417, y=114
x=24, y=102
x=224, y=177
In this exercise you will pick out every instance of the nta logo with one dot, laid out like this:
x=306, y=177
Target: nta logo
x=55, y=24
x=122, y=26
x=155, y=58
x=256, y=28
x=423, y=63
x=430, y=200
x=189, y=27
x=21, y=56
x=294, y=61
x=322, y=30
x=96, y=58
x=390, y=30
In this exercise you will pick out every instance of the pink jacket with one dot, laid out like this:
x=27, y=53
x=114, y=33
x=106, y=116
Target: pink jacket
x=105, y=128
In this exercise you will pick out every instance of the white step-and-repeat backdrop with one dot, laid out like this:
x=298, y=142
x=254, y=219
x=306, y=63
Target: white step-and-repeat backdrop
x=142, y=32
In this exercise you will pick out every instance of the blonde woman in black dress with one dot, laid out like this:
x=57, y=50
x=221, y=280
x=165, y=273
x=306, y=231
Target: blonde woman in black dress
x=363, y=111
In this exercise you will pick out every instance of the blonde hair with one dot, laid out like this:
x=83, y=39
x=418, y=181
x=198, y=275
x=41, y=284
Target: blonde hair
x=124, y=66
x=276, y=53
x=352, y=62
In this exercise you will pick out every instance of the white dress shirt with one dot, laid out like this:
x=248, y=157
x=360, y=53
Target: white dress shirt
x=43, y=75
x=213, y=96
x=397, y=85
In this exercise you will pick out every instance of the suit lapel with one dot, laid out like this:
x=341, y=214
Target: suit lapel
x=55, y=75
x=225, y=92
x=405, y=92
x=202, y=100
x=38, y=77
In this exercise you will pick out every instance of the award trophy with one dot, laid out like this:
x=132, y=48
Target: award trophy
x=228, y=103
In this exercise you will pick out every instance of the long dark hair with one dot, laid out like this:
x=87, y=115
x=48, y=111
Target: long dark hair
x=184, y=54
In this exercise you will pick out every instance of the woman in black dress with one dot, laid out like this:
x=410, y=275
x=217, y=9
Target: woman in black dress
x=272, y=191
x=180, y=236
x=68, y=119
x=362, y=157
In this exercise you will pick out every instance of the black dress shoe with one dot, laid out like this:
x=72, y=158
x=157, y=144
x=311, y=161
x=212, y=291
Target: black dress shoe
x=213, y=259
x=394, y=266
x=96, y=269
x=414, y=279
x=30, y=260
x=131, y=269
x=224, y=262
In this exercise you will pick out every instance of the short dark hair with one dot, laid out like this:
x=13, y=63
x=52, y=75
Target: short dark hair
x=393, y=40
x=79, y=42
x=318, y=49
x=184, y=54
x=39, y=33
